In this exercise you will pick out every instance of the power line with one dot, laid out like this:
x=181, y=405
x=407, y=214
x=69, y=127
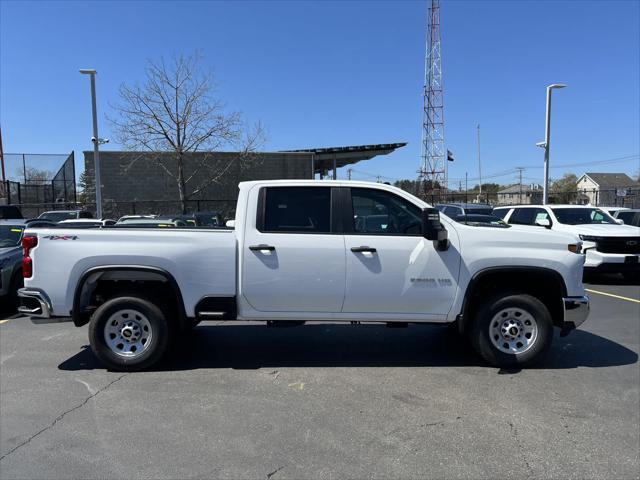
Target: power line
x=595, y=162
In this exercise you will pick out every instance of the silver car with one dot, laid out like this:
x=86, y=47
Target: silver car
x=10, y=260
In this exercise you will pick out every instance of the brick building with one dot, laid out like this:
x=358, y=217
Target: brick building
x=141, y=182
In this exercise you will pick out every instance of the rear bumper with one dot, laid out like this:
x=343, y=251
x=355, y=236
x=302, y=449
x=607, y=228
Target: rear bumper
x=576, y=311
x=34, y=302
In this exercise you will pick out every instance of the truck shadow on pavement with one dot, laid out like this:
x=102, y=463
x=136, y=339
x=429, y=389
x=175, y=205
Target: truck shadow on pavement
x=330, y=345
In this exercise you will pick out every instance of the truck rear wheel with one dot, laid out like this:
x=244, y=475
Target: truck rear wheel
x=128, y=333
x=512, y=330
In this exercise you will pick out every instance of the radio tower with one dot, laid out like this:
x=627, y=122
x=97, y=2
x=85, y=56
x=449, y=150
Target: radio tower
x=434, y=153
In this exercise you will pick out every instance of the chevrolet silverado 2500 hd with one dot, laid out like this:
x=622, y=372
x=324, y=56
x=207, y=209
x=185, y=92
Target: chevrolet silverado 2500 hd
x=305, y=250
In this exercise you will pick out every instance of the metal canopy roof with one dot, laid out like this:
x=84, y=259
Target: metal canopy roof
x=324, y=158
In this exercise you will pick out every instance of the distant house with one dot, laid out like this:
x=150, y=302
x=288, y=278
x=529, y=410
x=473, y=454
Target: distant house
x=608, y=189
x=520, y=195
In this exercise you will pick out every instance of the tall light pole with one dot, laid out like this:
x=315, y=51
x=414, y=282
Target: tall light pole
x=95, y=140
x=479, y=168
x=547, y=143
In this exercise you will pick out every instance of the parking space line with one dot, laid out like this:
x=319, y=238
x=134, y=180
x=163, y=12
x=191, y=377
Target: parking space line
x=3, y=321
x=612, y=295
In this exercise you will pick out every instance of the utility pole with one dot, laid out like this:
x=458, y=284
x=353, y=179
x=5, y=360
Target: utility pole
x=520, y=169
x=466, y=188
x=349, y=173
x=479, y=166
x=96, y=141
x=547, y=142
x=4, y=178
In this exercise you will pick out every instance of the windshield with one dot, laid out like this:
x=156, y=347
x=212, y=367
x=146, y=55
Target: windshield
x=58, y=216
x=582, y=216
x=10, y=235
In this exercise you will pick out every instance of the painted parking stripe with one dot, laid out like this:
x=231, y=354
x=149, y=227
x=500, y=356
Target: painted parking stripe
x=612, y=295
x=3, y=321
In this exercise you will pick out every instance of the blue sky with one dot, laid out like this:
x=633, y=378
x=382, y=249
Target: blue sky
x=345, y=73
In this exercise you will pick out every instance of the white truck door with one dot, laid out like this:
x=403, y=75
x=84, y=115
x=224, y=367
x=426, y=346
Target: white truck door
x=292, y=260
x=391, y=268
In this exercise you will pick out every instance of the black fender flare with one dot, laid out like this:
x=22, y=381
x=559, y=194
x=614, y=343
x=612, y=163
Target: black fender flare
x=463, y=317
x=79, y=319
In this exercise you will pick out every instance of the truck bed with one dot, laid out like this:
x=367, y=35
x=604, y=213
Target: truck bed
x=201, y=261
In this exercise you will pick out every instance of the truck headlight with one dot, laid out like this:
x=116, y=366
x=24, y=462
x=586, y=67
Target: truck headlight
x=575, y=247
x=588, y=238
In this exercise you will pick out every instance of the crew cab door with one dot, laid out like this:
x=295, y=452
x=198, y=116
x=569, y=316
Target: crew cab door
x=293, y=256
x=391, y=267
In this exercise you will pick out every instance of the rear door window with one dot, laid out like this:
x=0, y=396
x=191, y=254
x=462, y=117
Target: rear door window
x=297, y=210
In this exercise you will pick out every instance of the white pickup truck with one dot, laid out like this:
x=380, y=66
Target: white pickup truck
x=608, y=245
x=305, y=250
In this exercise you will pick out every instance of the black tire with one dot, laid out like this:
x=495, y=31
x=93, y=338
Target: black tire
x=479, y=334
x=17, y=282
x=150, y=354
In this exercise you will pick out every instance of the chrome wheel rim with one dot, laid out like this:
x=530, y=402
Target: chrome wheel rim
x=128, y=333
x=513, y=330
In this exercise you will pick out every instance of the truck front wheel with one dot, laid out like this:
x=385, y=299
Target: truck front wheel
x=512, y=330
x=128, y=333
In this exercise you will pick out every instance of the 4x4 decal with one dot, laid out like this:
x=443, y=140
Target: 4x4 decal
x=61, y=237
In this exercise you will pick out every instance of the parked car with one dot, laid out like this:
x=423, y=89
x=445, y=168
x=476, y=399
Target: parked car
x=134, y=218
x=178, y=220
x=481, y=220
x=59, y=215
x=86, y=223
x=38, y=223
x=629, y=216
x=613, y=210
x=609, y=247
x=452, y=210
x=10, y=212
x=208, y=219
x=150, y=223
x=11, y=232
x=300, y=252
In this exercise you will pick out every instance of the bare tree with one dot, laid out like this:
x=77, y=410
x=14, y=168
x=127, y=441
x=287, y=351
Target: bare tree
x=175, y=112
x=36, y=175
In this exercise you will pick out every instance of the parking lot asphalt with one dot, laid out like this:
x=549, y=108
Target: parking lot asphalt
x=325, y=401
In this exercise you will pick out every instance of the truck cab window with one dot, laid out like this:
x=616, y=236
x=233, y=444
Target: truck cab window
x=297, y=209
x=382, y=213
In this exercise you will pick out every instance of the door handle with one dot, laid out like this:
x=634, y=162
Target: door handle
x=261, y=247
x=363, y=249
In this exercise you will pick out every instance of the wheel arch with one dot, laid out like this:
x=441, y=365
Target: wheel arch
x=134, y=273
x=544, y=283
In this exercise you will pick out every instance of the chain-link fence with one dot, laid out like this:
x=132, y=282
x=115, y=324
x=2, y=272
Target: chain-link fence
x=39, y=178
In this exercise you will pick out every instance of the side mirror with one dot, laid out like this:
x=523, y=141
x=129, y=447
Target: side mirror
x=543, y=222
x=230, y=224
x=619, y=221
x=432, y=228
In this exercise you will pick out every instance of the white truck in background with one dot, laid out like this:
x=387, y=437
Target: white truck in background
x=304, y=250
x=608, y=244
